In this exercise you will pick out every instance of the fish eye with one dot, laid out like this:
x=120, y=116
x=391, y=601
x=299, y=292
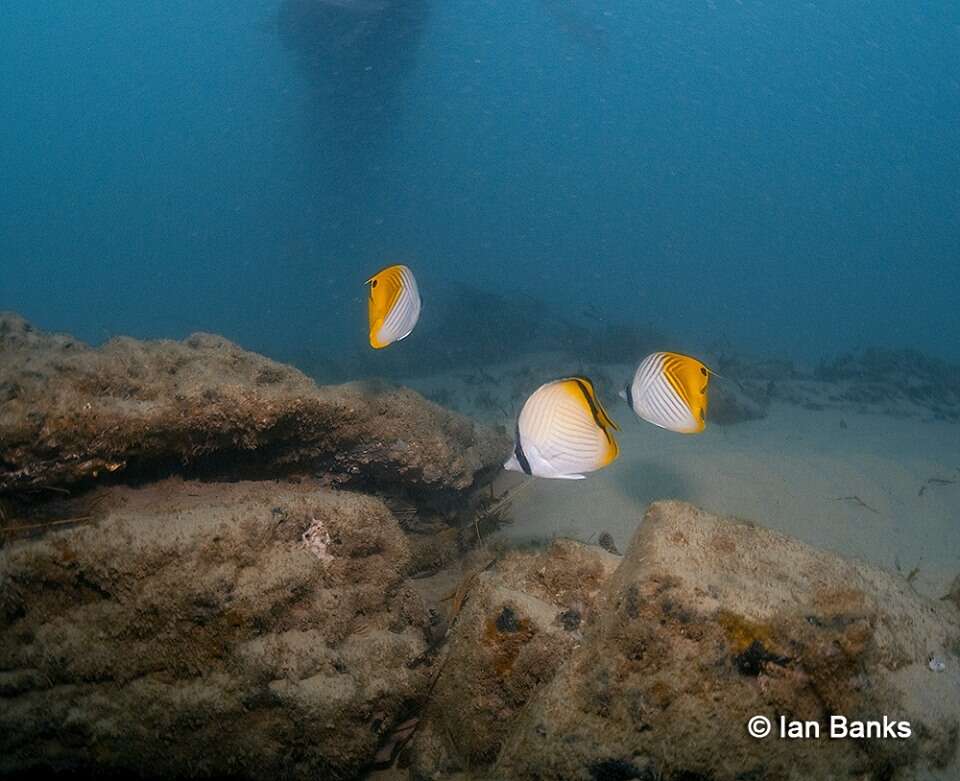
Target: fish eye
x=373, y=283
x=703, y=371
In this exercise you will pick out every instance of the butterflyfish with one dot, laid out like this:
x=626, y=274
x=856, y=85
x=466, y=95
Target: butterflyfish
x=393, y=306
x=563, y=431
x=670, y=391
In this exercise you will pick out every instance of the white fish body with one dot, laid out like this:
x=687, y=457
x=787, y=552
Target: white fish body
x=563, y=432
x=539, y=466
x=669, y=390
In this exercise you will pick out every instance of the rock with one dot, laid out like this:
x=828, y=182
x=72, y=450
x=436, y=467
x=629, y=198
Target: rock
x=899, y=383
x=249, y=630
x=731, y=403
x=710, y=621
x=606, y=541
x=258, y=623
x=136, y=410
x=741, y=367
x=520, y=620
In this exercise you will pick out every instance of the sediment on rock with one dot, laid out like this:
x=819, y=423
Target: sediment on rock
x=248, y=630
x=131, y=410
x=258, y=622
x=707, y=622
x=521, y=618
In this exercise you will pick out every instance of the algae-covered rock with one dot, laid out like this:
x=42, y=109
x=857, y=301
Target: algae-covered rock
x=130, y=409
x=521, y=618
x=260, y=623
x=254, y=630
x=711, y=621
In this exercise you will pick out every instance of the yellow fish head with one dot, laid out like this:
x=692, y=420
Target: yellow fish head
x=393, y=288
x=689, y=379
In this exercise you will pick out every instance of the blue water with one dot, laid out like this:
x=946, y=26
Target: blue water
x=785, y=176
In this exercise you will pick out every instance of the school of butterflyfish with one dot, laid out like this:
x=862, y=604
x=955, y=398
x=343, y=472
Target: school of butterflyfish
x=562, y=431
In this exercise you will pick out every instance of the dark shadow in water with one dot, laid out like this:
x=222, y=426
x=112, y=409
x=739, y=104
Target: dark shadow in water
x=579, y=22
x=355, y=54
x=647, y=480
x=466, y=327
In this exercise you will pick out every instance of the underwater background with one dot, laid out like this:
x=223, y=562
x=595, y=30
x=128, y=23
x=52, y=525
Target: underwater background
x=780, y=176
x=238, y=542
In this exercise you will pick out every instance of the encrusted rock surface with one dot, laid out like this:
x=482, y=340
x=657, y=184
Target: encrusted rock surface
x=707, y=622
x=73, y=414
x=263, y=622
x=254, y=630
x=520, y=620
x=236, y=600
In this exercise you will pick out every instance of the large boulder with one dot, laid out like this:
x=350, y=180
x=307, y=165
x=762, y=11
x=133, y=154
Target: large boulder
x=711, y=621
x=706, y=623
x=519, y=621
x=251, y=630
x=131, y=410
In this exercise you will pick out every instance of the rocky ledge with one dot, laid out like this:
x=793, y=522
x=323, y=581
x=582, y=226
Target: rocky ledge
x=72, y=415
x=206, y=559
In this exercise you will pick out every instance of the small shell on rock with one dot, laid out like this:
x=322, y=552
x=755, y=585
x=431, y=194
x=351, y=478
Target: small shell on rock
x=936, y=664
x=316, y=539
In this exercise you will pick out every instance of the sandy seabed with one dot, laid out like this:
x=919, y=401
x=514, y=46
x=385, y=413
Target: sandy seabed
x=881, y=487
x=838, y=480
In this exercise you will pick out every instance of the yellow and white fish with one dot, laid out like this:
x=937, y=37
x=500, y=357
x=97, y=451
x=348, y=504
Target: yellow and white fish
x=393, y=307
x=670, y=391
x=563, y=431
